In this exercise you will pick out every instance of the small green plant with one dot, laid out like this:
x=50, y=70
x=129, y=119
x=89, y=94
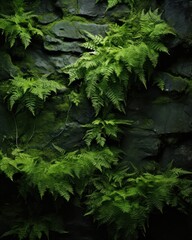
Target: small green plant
x=113, y=3
x=113, y=62
x=28, y=92
x=100, y=129
x=19, y=26
x=124, y=200
x=30, y=229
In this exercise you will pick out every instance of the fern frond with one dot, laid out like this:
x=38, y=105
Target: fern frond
x=117, y=57
x=19, y=25
x=29, y=91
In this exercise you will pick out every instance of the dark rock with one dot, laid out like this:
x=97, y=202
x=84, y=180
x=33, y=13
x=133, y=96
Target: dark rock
x=82, y=7
x=178, y=15
x=154, y=116
x=171, y=83
x=76, y=30
x=7, y=68
x=47, y=18
x=70, y=6
x=140, y=144
x=182, y=66
x=38, y=61
x=179, y=154
x=7, y=128
x=90, y=8
x=171, y=117
x=55, y=44
x=61, y=61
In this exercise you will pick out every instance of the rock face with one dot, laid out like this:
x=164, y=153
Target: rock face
x=162, y=119
x=160, y=123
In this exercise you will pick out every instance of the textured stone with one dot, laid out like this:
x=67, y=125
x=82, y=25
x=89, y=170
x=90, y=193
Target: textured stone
x=38, y=61
x=7, y=128
x=76, y=30
x=180, y=154
x=70, y=6
x=47, y=18
x=178, y=15
x=61, y=61
x=82, y=7
x=90, y=8
x=140, y=144
x=55, y=44
x=171, y=83
x=182, y=66
x=7, y=68
x=155, y=117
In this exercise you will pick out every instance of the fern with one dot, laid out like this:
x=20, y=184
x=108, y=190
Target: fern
x=29, y=91
x=100, y=129
x=57, y=176
x=124, y=199
x=112, y=62
x=20, y=25
x=34, y=228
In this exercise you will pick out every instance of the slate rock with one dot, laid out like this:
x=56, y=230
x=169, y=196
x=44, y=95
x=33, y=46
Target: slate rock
x=70, y=6
x=55, y=44
x=76, y=30
x=7, y=68
x=140, y=144
x=171, y=117
x=179, y=154
x=38, y=61
x=182, y=66
x=155, y=116
x=91, y=8
x=47, y=18
x=61, y=60
x=177, y=13
x=82, y=7
x=170, y=82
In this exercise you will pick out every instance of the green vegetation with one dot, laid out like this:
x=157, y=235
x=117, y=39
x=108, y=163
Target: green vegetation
x=27, y=92
x=93, y=174
x=20, y=25
x=111, y=63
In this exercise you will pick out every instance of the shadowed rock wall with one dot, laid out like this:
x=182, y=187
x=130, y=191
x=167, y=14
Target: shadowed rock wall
x=162, y=119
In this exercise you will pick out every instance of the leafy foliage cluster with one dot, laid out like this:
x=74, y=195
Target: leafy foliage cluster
x=28, y=92
x=112, y=62
x=125, y=199
x=119, y=197
x=106, y=71
x=57, y=176
x=100, y=129
x=20, y=25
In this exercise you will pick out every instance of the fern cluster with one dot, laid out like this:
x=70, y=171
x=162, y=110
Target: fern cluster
x=27, y=92
x=19, y=26
x=112, y=62
x=57, y=176
x=30, y=229
x=100, y=129
x=124, y=200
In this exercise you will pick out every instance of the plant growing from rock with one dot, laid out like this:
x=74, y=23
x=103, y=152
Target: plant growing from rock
x=20, y=25
x=124, y=199
x=114, y=62
x=100, y=129
x=30, y=91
